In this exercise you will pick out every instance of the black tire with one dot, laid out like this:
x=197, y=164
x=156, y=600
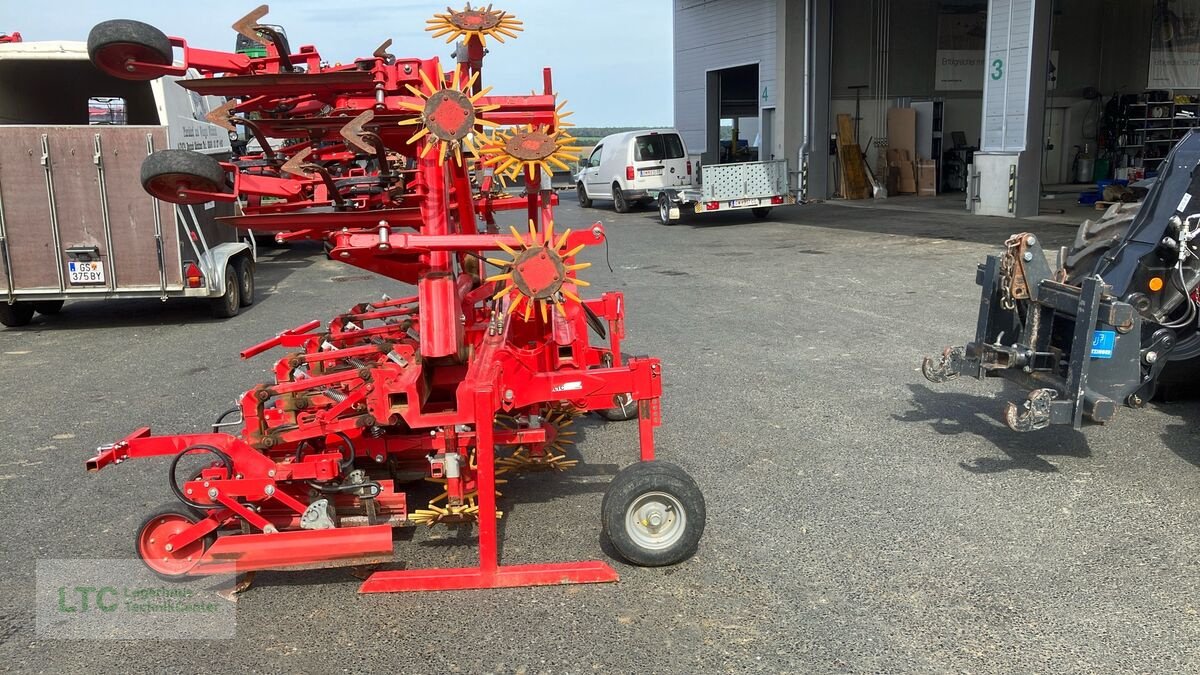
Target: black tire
x=648, y=490
x=178, y=512
x=245, y=275
x=228, y=305
x=625, y=409
x=664, y=209
x=761, y=212
x=111, y=44
x=1094, y=239
x=585, y=201
x=166, y=172
x=620, y=204
x=16, y=314
x=48, y=306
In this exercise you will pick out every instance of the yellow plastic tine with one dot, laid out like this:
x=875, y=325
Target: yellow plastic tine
x=506, y=249
x=517, y=235
x=581, y=283
x=573, y=252
x=500, y=277
x=570, y=296
x=503, y=292
x=417, y=136
x=545, y=315
x=499, y=262
x=562, y=240
x=578, y=266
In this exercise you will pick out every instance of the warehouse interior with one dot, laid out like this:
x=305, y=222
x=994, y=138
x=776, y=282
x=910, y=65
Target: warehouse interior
x=1093, y=117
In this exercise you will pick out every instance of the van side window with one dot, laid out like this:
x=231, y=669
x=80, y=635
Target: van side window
x=657, y=147
x=594, y=160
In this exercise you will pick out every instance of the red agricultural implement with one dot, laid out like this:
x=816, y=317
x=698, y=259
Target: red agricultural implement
x=397, y=164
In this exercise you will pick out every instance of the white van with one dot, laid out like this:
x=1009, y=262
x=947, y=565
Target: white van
x=632, y=166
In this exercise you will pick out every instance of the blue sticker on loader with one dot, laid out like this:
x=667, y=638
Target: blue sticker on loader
x=1102, y=344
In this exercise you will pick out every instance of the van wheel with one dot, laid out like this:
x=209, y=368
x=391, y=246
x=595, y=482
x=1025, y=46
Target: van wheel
x=227, y=306
x=619, y=202
x=111, y=45
x=245, y=275
x=166, y=172
x=48, y=306
x=584, y=200
x=16, y=314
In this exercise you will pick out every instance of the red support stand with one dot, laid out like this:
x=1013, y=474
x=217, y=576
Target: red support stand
x=489, y=573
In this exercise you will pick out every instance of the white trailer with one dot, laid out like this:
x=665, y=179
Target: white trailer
x=75, y=223
x=757, y=186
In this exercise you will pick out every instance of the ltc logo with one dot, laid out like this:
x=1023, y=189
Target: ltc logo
x=1103, y=342
x=84, y=598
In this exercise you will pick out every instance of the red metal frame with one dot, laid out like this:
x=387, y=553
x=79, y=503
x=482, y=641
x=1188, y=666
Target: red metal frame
x=415, y=382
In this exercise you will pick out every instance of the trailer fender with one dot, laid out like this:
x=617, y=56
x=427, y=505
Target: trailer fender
x=213, y=261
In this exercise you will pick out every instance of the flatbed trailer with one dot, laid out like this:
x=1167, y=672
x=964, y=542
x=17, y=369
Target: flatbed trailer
x=757, y=186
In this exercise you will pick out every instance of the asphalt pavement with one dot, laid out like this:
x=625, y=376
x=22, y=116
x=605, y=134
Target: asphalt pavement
x=860, y=519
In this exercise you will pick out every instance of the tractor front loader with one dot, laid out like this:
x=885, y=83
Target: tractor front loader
x=1109, y=321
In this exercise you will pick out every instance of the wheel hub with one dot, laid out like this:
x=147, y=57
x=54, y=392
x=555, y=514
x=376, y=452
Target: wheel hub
x=656, y=520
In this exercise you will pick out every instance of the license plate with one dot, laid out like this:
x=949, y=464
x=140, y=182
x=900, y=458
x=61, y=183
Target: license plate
x=743, y=202
x=85, y=272
x=650, y=172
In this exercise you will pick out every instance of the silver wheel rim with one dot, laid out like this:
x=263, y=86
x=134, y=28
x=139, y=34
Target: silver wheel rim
x=655, y=521
x=664, y=212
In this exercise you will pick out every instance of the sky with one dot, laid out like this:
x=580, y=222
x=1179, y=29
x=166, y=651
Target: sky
x=611, y=60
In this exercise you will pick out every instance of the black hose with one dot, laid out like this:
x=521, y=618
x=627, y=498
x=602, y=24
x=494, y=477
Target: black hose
x=175, y=483
x=221, y=418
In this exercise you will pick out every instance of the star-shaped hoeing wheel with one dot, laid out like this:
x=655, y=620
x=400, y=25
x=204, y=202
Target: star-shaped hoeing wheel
x=538, y=273
x=448, y=114
x=550, y=456
x=468, y=23
x=514, y=150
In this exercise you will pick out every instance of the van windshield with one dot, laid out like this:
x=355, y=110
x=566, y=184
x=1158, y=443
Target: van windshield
x=655, y=147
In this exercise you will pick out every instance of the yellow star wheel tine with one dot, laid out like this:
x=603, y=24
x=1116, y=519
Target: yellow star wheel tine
x=440, y=32
x=528, y=311
x=512, y=308
x=575, y=251
x=581, y=283
x=545, y=167
x=499, y=262
x=425, y=150
x=415, y=120
x=416, y=92
x=506, y=164
x=415, y=107
x=453, y=37
x=558, y=305
x=496, y=34
x=458, y=154
x=454, y=80
x=470, y=82
x=500, y=277
x=517, y=235
x=503, y=292
x=417, y=136
x=506, y=249
x=533, y=233
x=545, y=314
x=562, y=240
x=570, y=296
x=426, y=80
x=486, y=123
x=486, y=108
x=554, y=160
x=506, y=31
x=441, y=76
x=578, y=266
x=549, y=238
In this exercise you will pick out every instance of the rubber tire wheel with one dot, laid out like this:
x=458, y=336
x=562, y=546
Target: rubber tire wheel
x=166, y=171
x=633, y=482
x=111, y=43
x=761, y=212
x=176, y=509
x=620, y=204
x=664, y=210
x=245, y=275
x=48, y=306
x=626, y=409
x=228, y=305
x=17, y=314
x=585, y=202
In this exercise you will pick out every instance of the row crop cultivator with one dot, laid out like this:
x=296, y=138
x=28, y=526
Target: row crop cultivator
x=397, y=165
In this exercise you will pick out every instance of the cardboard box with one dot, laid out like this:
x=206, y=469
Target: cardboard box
x=902, y=130
x=926, y=177
x=902, y=177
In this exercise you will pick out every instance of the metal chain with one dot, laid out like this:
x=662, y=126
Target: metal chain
x=1008, y=266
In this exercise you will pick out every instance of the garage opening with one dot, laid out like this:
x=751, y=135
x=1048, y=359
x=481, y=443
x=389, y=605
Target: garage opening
x=733, y=115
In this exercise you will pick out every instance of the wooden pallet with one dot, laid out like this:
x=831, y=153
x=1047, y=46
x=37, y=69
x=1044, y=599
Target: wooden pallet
x=855, y=182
